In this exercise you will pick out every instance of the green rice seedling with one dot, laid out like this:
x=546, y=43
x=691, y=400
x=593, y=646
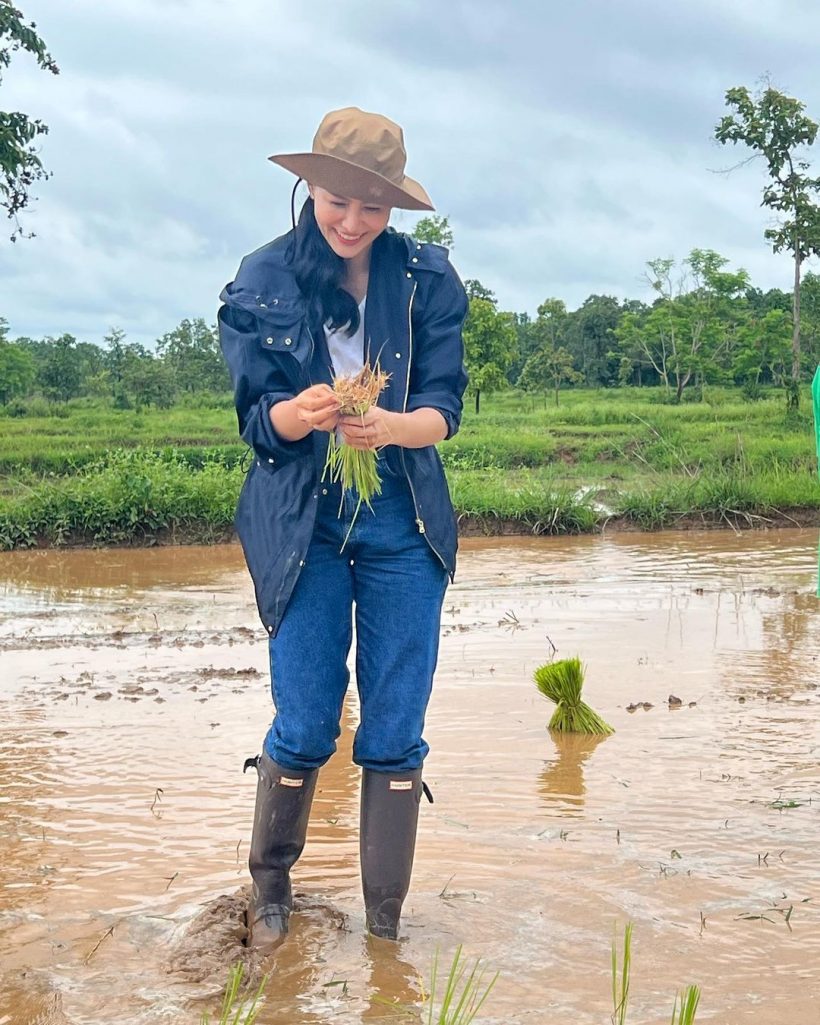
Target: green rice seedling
x=562, y=683
x=621, y=978
x=689, y=1000
x=464, y=992
x=463, y=997
x=243, y=1013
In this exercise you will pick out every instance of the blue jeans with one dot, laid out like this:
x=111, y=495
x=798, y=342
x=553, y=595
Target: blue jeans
x=397, y=584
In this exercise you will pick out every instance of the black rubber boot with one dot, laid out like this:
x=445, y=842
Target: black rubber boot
x=387, y=842
x=283, y=799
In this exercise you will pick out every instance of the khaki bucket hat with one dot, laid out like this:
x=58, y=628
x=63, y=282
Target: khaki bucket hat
x=361, y=156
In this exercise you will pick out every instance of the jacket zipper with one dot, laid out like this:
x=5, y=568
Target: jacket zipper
x=419, y=520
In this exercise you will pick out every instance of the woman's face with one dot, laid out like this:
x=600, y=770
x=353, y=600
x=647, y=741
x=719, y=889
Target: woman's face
x=348, y=225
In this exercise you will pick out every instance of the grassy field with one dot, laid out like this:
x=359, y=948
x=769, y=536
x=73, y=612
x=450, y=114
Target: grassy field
x=92, y=474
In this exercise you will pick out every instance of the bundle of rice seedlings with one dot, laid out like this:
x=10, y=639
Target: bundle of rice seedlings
x=562, y=682
x=356, y=468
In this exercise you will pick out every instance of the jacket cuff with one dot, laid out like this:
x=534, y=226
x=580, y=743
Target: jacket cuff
x=442, y=402
x=263, y=437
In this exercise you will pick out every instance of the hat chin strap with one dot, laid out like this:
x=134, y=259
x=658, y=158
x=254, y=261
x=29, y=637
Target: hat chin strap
x=293, y=203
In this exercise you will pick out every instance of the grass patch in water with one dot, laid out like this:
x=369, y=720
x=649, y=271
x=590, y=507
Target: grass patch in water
x=684, y=1007
x=233, y=1013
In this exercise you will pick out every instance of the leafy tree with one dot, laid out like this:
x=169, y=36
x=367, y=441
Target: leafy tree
x=690, y=329
x=20, y=167
x=489, y=347
x=475, y=290
x=60, y=374
x=434, y=229
x=147, y=380
x=192, y=354
x=550, y=364
x=763, y=350
x=774, y=126
x=589, y=336
x=17, y=370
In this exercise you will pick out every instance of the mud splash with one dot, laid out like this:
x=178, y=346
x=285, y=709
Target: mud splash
x=133, y=683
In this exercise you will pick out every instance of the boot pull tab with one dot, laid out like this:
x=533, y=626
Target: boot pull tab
x=428, y=793
x=250, y=763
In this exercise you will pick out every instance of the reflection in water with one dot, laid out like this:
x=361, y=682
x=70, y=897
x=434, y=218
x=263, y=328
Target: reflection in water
x=561, y=782
x=396, y=989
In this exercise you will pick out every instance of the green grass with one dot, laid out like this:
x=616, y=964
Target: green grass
x=683, y=1013
x=90, y=474
x=235, y=1012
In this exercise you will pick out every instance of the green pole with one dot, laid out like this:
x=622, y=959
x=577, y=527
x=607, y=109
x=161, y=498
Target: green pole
x=815, y=393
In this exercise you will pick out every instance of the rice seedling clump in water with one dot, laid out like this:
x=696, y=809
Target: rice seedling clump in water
x=562, y=683
x=356, y=468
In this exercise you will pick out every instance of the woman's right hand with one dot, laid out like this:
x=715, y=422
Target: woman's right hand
x=317, y=407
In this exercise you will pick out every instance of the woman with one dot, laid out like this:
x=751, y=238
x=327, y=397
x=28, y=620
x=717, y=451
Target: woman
x=339, y=289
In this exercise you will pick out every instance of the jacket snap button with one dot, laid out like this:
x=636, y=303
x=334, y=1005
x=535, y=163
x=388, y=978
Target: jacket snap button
x=301, y=562
x=270, y=459
x=263, y=306
x=415, y=259
x=324, y=491
x=258, y=463
x=398, y=355
x=288, y=341
x=269, y=341
x=270, y=629
x=275, y=302
x=409, y=275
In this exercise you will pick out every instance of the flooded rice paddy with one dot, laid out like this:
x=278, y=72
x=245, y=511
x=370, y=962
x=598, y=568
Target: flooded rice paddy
x=133, y=684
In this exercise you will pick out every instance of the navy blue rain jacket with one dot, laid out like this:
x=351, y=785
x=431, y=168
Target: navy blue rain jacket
x=415, y=310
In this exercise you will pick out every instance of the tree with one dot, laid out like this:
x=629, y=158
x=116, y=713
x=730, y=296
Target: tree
x=17, y=370
x=147, y=380
x=192, y=354
x=550, y=364
x=20, y=167
x=690, y=328
x=763, y=349
x=475, y=290
x=489, y=347
x=434, y=229
x=589, y=336
x=774, y=126
x=60, y=375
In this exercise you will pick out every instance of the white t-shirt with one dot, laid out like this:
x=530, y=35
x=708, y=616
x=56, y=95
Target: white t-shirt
x=346, y=351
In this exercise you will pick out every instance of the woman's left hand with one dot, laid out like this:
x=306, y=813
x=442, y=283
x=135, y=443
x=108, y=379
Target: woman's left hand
x=370, y=430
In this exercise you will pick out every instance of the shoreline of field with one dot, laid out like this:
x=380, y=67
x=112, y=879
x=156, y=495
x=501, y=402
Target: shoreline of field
x=469, y=526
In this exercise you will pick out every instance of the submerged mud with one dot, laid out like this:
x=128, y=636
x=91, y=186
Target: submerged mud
x=133, y=684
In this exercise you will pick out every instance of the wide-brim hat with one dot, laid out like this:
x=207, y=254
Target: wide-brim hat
x=361, y=156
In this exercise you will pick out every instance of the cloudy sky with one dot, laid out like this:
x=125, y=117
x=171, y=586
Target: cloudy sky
x=568, y=143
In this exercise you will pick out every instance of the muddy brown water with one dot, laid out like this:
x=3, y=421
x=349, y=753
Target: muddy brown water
x=134, y=683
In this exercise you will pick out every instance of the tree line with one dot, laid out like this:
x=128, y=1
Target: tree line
x=706, y=324
x=187, y=360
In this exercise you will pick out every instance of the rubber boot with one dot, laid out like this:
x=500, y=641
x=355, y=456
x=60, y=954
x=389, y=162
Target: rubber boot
x=280, y=820
x=387, y=842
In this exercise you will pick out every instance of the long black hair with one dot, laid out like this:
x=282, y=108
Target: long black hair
x=319, y=274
